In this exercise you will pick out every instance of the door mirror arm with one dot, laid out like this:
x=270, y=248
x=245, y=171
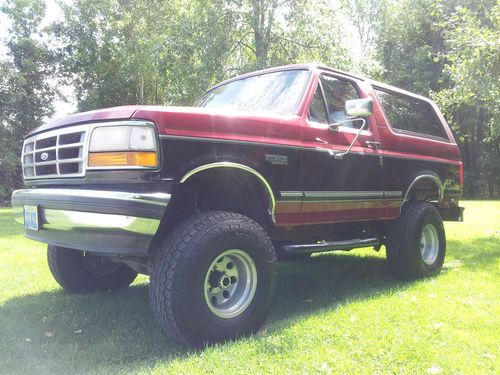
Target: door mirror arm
x=335, y=128
x=355, y=110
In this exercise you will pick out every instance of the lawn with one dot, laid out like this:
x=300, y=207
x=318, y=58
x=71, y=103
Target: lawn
x=337, y=313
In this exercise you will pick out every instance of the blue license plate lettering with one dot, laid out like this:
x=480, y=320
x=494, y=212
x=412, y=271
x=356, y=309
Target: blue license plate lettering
x=31, y=217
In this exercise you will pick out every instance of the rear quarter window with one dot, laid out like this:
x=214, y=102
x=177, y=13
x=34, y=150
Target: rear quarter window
x=408, y=114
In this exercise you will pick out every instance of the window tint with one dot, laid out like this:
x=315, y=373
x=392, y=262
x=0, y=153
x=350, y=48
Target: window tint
x=410, y=114
x=337, y=92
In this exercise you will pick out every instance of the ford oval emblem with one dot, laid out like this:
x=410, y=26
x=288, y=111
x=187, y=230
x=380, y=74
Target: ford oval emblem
x=44, y=156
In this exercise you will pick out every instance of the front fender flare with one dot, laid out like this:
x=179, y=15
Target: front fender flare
x=225, y=164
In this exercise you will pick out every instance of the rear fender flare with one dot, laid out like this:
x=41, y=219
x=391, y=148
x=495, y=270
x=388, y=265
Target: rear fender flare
x=434, y=178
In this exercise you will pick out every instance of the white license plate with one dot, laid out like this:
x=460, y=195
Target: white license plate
x=31, y=217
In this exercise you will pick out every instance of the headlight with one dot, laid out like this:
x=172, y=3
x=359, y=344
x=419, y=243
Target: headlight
x=123, y=146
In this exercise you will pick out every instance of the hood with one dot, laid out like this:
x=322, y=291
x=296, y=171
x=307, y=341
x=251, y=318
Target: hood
x=115, y=113
x=203, y=122
x=179, y=120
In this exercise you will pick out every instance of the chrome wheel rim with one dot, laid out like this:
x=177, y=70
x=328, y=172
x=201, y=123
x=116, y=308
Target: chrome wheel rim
x=429, y=244
x=230, y=283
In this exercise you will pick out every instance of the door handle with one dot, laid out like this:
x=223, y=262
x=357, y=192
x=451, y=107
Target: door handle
x=374, y=145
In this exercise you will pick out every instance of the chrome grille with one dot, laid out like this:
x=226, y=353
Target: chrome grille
x=57, y=153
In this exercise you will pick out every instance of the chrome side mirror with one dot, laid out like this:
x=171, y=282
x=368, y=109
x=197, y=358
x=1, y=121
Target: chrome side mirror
x=355, y=109
x=334, y=128
x=358, y=108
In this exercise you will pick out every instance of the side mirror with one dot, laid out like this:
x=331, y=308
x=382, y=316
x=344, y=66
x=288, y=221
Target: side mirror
x=358, y=108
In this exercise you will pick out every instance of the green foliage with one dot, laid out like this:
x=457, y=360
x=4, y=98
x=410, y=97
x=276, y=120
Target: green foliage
x=449, y=50
x=26, y=94
x=366, y=17
x=170, y=52
x=139, y=51
x=472, y=102
x=409, y=45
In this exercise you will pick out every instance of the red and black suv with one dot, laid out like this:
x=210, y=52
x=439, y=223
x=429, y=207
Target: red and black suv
x=275, y=164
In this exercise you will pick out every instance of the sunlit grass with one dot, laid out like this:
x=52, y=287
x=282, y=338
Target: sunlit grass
x=338, y=313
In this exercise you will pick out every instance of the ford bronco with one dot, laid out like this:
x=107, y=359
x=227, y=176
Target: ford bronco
x=275, y=164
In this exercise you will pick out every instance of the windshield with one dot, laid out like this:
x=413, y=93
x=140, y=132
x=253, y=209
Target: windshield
x=278, y=92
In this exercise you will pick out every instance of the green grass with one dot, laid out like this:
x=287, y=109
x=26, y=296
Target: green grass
x=338, y=313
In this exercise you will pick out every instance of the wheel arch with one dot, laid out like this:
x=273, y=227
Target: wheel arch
x=258, y=180
x=425, y=186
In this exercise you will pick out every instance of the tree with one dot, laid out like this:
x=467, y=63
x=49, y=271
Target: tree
x=449, y=50
x=408, y=45
x=26, y=93
x=169, y=52
x=141, y=52
x=472, y=63
x=366, y=16
x=279, y=32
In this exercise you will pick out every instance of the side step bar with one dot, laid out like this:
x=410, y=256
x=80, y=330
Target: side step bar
x=330, y=246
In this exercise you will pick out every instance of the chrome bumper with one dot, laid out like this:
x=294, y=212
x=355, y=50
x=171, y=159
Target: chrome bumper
x=93, y=220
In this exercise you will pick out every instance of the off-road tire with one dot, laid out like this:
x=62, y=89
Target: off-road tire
x=405, y=258
x=178, y=278
x=71, y=270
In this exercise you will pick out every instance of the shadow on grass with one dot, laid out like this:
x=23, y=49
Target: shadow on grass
x=49, y=330
x=115, y=331
x=328, y=280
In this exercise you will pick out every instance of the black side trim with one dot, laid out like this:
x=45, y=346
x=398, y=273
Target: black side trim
x=311, y=149
x=330, y=246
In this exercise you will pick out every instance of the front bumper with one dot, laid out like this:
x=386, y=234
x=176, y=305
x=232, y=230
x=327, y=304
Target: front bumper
x=112, y=222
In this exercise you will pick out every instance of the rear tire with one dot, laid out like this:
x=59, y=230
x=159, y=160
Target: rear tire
x=212, y=280
x=80, y=272
x=417, y=243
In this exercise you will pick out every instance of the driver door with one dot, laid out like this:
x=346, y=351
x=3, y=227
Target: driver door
x=347, y=188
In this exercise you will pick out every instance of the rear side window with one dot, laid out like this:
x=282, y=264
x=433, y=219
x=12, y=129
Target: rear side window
x=409, y=114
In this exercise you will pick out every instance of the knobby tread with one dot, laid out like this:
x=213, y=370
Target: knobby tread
x=68, y=269
x=55, y=267
x=403, y=254
x=180, y=247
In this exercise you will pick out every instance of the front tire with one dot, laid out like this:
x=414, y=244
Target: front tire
x=212, y=280
x=80, y=272
x=417, y=243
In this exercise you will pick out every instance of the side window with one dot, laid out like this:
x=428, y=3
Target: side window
x=317, y=110
x=410, y=114
x=337, y=91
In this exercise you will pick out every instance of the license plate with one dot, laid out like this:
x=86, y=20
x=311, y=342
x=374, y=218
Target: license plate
x=31, y=217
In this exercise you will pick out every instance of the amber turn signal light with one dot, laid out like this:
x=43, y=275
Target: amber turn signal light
x=123, y=159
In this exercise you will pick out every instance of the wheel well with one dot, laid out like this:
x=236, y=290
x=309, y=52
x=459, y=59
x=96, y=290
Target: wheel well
x=232, y=190
x=227, y=189
x=425, y=187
